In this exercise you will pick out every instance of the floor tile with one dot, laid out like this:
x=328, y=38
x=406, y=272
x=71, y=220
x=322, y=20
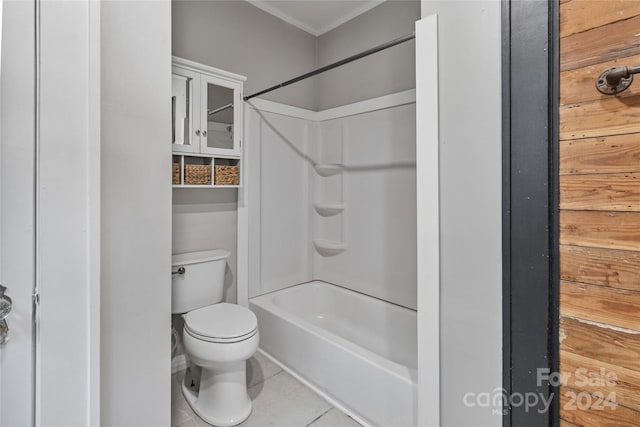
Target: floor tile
x=192, y=423
x=180, y=410
x=282, y=401
x=279, y=400
x=198, y=422
x=334, y=418
x=260, y=368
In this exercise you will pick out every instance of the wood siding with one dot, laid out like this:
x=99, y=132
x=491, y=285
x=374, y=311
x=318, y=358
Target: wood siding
x=599, y=214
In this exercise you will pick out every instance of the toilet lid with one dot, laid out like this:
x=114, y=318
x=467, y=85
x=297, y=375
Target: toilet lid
x=221, y=321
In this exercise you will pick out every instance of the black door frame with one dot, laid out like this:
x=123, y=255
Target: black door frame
x=530, y=99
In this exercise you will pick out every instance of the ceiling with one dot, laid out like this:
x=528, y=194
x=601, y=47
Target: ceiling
x=316, y=16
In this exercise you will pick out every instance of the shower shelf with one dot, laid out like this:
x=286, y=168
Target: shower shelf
x=328, y=247
x=328, y=169
x=328, y=209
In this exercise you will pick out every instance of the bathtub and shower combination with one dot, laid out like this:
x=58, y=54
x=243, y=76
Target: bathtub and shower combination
x=358, y=351
x=333, y=259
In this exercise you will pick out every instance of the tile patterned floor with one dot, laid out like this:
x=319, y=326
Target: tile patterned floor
x=279, y=400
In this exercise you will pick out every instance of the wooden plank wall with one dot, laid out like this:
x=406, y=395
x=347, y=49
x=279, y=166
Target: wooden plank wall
x=599, y=211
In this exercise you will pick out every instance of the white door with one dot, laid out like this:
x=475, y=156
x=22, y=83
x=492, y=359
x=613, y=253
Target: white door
x=49, y=212
x=17, y=209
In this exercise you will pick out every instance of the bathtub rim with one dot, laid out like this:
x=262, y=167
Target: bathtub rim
x=402, y=372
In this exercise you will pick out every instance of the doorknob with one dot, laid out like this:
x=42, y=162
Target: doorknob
x=5, y=309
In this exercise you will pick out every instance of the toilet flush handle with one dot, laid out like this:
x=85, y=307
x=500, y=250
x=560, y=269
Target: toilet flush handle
x=180, y=271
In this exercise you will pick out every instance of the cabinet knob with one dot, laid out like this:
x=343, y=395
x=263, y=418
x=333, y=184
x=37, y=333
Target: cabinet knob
x=197, y=132
x=204, y=133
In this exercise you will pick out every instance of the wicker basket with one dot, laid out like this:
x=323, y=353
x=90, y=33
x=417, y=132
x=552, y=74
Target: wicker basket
x=226, y=175
x=175, y=168
x=197, y=174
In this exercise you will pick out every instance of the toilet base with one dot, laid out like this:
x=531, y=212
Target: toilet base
x=222, y=399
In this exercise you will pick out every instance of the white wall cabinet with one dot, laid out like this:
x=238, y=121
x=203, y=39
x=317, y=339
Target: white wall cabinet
x=206, y=105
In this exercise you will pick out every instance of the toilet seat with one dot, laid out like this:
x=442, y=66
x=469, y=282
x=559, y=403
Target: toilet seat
x=221, y=323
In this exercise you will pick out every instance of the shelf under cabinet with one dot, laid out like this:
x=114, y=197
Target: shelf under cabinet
x=228, y=169
x=203, y=186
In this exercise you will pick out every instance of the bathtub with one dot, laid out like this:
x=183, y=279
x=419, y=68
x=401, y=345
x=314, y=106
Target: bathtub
x=358, y=351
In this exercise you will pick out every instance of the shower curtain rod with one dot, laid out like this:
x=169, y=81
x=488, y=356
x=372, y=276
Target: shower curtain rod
x=352, y=58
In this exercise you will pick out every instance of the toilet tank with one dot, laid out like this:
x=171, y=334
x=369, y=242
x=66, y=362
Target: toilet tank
x=199, y=280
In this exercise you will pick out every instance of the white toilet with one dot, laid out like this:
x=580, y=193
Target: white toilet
x=218, y=338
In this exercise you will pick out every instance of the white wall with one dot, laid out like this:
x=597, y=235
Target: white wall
x=136, y=213
x=236, y=36
x=279, y=200
x=378, y=188
x=68, y=221
x=428, y=226
x=17, y=245
x=470, y=206
x=376, y=143
x=207, y=219
x=386, y=72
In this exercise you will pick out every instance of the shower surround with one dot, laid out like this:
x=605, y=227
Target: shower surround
x=332, y=249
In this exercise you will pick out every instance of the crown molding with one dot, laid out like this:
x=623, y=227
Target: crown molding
x=368, y=5
x=265, y=6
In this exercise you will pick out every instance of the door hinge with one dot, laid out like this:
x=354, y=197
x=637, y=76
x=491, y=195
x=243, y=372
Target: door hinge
x=36, y=297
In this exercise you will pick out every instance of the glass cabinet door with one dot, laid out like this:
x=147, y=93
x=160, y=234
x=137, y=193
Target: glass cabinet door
x=185, y=132
x=220, y=117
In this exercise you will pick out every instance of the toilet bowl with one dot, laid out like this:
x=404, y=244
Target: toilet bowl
x=218, y=339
